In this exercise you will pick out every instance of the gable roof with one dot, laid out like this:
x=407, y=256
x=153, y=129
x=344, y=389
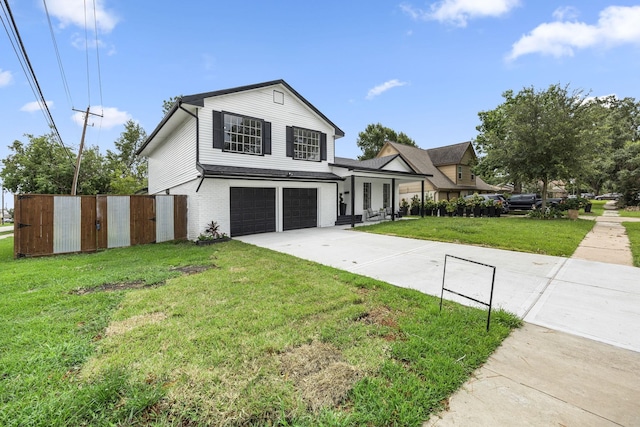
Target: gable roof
x=421, y=161
x=449, y=154
x=376, y=164
x=197, y=100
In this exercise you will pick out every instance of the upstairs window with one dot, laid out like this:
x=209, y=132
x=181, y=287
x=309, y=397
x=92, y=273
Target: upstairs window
x=241, y=134
x=306, y=144
x=459, y=172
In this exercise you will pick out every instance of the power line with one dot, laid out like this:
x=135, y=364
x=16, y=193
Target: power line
x=95, y=26
x=55, y=47
x=23, y=58
x=86, y=49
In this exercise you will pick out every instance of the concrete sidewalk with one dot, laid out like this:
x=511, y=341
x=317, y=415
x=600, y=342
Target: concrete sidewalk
x=576, y=361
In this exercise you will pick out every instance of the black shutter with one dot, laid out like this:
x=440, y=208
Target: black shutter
x=218, y=131
x=323, y=146
x=289, y=141
x=266, y=137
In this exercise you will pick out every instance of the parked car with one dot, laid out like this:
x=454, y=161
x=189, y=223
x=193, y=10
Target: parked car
x=527, y=202
x=587, y=195
x=608, y=196
x=495, y=198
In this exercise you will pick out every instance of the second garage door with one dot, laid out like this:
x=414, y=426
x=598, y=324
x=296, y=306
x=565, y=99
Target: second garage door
x=300, y=208
x=253, y=210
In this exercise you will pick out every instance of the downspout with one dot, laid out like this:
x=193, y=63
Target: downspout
x=198, y=165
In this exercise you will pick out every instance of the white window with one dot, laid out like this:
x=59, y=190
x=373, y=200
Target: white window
x=306, y=144
x=242, y=134
x=366, y=195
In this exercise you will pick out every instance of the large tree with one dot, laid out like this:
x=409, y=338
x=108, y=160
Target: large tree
x=538, y=136
x=372, y=139
x=128, y=171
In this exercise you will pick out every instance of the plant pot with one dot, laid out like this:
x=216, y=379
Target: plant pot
x=343, y=208
x=403, y=211
x=428, y=212
x=442, y=211
x=467, y=212
x=587, y=207
x=573, y=213
x=477, y=211
x=415, y=211
x=460, y=211
x=492, y=211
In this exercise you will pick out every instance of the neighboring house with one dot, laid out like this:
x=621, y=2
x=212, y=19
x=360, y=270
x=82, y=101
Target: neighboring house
x=450, y=168
x=261, y=158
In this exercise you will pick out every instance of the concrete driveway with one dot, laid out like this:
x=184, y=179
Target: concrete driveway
x=585, y=298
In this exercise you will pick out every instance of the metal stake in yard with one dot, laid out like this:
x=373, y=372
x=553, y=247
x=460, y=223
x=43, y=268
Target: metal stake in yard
x=493, y=280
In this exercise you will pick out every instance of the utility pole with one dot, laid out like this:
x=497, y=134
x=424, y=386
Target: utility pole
x=74, y=186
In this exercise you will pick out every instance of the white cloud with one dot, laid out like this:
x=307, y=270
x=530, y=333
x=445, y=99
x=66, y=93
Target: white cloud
x=384, y=87
x=616, y=25
x=6, y=78
x=111, y=117
x=35, y=106
x=72, y=12
x=565, y=13
x=458, y=12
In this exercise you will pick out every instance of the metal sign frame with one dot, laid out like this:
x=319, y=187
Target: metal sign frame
x=493, y=280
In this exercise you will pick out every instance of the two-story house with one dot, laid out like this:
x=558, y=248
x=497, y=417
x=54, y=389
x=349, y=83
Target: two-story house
x=449, y=167
x=261, y=158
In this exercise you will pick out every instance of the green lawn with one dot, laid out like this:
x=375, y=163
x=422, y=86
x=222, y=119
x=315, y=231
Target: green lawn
x=122, y=337
x=633, y=231
x=551, y=237
x=629, y=214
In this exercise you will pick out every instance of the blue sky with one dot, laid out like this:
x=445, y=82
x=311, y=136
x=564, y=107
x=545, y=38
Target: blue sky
x=425, y=68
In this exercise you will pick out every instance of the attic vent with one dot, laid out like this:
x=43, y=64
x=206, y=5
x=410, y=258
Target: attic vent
x=278, y=97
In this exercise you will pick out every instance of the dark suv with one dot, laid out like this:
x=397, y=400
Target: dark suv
x=495, y=198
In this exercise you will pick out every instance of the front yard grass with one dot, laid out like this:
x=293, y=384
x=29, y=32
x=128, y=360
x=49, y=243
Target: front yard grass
x=252, y=337
x=633, y=232
x=629, y=214
x=550, y=237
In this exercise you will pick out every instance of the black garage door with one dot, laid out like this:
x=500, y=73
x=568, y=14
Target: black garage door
x=253, y=210
x=299, y=208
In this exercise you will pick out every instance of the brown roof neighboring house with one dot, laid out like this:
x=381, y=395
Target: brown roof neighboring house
x=450, y=166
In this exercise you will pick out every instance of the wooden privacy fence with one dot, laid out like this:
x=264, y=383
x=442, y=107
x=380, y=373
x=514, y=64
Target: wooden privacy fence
x=51, y=224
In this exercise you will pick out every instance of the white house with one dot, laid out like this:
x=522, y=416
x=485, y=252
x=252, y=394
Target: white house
x=261, y=158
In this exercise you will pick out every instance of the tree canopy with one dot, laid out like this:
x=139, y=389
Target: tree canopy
x=372, y=139
x=42, y=166
x=538, y=136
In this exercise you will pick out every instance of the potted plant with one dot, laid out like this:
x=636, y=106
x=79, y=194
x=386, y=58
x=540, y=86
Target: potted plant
x=404, y=207
x=212, y=235
x=451, y=207
x=491, y=207
x=429, y=207
x=343, y=206
x=499, y=206
x=572, y=206
x=415, y=205
x=441, y=205
x=461, y=203
x=476, y=202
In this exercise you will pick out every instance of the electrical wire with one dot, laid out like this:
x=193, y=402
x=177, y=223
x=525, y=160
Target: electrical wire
x=27, y=68
x=86, y=49
x=95, y=26
x=55, y=47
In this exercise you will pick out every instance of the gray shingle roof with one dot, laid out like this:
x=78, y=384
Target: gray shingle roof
x=449, y=154
x=223, y=170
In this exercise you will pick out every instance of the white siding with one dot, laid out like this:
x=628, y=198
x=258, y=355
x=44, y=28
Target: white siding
x=174, y=162
x=211, y=202
x=259, y=103
x=397, y=164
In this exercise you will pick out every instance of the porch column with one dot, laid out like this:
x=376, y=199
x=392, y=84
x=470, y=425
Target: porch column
x=393, y=199
x=422, y=203
x=353, y=201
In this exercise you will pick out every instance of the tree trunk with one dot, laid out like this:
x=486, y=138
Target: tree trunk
x=545, y=184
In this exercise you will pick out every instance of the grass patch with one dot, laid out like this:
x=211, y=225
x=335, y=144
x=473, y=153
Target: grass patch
x=232, y=345
x=633, y=232
x=629, y=214
x=549, y=237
